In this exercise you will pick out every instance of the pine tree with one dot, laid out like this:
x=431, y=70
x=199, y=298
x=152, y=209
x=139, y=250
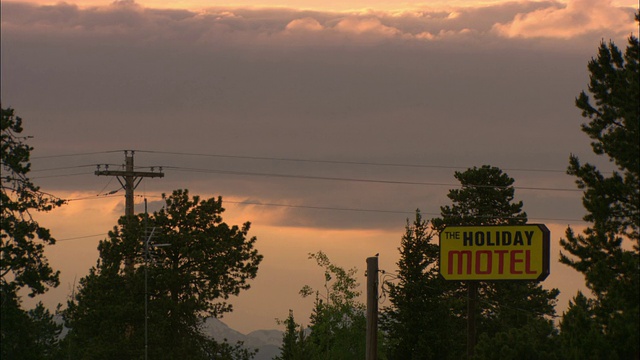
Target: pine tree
x=294, y=341
x=580, y=336
x=204, y=262
x=24, y=334
x=23, y=263
x=420, y=322
x=31, y=334
x=608, y=251
x=487, y=198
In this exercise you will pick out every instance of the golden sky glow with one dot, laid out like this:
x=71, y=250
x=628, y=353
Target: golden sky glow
x=284, y=271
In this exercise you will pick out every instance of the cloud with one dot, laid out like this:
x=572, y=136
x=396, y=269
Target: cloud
x=274, y=26
x=577, y=17
x=371, y=26
x=305, y=24
x=431, y=86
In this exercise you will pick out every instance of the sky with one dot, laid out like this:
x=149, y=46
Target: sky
x=325, y=124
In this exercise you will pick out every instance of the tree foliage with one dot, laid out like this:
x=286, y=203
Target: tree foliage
x=31, y=334
x=338, y=322
x=487, y=198
x=197, y=263
x=608, y=251
x=294, y=341
x=419, y=323
x=22, y=239
x=580, y=336
x=535, y=341
x=24, y=334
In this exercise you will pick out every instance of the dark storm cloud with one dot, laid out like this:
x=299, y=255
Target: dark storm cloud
x=460, y=87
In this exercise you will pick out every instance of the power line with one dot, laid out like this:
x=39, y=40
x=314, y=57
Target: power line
x=317, y=207
x=129, y=178
x=308, y=207
x=245, y=173
x=60, y=175
x=300, y=160
x=335, y=161
x=332, y=208
x=375, y=210
x=69, y=167
x=105, y=187
x=80, y=237
x=75, y=154
x=95, y=197
x=310, y=177
x=327, y=178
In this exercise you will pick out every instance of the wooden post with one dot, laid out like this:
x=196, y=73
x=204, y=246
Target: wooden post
x=472, y=305
x=129, y=180
x=372, y=308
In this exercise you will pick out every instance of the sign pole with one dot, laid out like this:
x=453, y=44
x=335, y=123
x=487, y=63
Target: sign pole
x=472, y=305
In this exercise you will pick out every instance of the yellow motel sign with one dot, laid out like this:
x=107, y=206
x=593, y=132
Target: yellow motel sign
x=495, y=252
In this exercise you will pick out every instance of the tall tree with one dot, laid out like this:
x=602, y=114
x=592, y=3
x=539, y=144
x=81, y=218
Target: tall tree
x=203, y=261
x=580, y=335
x=294, y=341
x=31, y=334
x=419, y=322
x=22, y=239
x=608, y=251
x=487, y=198
x=338, y=322
x=22, y=243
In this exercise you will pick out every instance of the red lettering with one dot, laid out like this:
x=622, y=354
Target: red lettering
x=527, y=262
x=460, y=256
x=514, y=261
x=501, y=260
x=479, y=262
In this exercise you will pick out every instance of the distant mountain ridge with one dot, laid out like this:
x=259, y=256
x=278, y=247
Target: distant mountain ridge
x=267, y=342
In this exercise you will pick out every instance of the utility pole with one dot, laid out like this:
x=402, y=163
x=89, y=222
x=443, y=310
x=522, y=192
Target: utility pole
x=372, y=308
x=129, y=179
